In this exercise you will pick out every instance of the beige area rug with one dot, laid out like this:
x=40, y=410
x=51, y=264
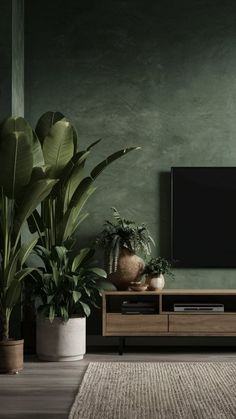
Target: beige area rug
x=121, y=390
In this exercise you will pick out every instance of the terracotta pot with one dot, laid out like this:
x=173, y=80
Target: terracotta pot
x=129, y=269
x=59, y=340
x=11, y=356
x=155, y=282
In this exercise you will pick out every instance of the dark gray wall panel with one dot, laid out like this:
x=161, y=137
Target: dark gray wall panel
x=18, y=57
x=5, y=58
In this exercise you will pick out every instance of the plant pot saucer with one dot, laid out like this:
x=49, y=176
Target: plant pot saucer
x=138, y=288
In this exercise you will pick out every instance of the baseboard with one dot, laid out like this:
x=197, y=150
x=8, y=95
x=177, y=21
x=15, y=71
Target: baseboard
x=191, y=341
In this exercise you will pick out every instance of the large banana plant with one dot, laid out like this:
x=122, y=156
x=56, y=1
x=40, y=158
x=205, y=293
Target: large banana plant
x=21, y=191
x=62, y=211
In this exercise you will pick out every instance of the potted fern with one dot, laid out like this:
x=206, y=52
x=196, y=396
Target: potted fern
x=20, y=194
x=154, y=270
x=121, y=240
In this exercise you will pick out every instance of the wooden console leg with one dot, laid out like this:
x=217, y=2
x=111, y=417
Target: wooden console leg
x=121, y=345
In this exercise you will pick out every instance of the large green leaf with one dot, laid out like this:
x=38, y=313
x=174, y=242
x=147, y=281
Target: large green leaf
x=101, y=166
x=74, y=221
x=76, y=176
x=46, y=121
x=16, y=162
x=38, y=159
x=13, y=294
x=39, y=172
x=83, y=198
x=35, y=223
x=80, y=258
x=15, y=124
x=99, y=272
x=84, y=190
x=34, y=194
x=68, y=224
x=59, y=254
x=45, y=255
x=51, y=313
x=26, y=250
x=76, y=296
x=72, y=217
x=58, y=147
x=11, y=268
x=85, y=307
x=64, y=314
x=80, y=191
x=93, y=144
x=20, y=275
x=67, y=173
x=42, y=250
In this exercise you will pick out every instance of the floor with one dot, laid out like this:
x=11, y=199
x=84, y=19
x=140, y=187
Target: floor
x=46, y=390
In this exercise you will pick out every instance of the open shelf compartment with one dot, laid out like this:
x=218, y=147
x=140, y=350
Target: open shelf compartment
x=114, y=302
x=168, y=301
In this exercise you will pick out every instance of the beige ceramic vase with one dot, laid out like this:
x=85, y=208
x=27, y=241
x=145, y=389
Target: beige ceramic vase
x=129, y=269
x=155, y=282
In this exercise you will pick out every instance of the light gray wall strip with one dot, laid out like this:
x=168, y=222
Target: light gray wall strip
x=18, y=57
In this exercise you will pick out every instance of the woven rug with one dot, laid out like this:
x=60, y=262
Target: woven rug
x=125, y=390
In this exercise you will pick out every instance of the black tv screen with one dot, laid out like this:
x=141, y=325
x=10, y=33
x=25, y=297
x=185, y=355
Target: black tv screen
x=203, y=210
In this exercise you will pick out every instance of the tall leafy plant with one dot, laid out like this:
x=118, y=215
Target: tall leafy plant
x=20, y=193
x=62, y=287
x=62, y=211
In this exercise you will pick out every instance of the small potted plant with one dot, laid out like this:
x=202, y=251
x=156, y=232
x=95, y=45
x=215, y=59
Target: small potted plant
x=155, y=269
x=121, y=240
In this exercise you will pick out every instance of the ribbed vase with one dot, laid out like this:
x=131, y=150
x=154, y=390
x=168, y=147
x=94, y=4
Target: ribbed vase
x=129, y=269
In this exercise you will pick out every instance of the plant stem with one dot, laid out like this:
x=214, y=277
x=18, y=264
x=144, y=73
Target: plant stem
x=5, y=324
x=6, y=231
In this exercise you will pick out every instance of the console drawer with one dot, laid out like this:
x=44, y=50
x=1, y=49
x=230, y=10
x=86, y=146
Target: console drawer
x=209, y=323
x=136, y=324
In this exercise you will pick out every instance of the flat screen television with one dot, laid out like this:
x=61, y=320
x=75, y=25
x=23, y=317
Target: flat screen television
x=203, y=217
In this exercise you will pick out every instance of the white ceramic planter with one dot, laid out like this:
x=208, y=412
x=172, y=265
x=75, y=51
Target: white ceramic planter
x=156, y=283
x=61, y=341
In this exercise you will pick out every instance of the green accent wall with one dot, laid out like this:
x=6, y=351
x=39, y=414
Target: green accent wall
x=156, y=74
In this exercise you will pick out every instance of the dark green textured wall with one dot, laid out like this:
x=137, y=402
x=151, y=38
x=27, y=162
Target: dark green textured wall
x=158, y=74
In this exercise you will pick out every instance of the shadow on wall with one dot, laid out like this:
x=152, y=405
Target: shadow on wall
x=164, y=227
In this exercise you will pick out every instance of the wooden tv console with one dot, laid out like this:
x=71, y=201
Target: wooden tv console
x=166, y=322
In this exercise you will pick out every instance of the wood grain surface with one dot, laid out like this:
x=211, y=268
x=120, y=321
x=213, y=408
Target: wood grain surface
x=46, y=390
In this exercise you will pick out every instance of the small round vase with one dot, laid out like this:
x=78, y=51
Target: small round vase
x=156, y=282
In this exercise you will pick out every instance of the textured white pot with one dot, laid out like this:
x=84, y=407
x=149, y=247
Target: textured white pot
x=156, y=283
x=61, y=341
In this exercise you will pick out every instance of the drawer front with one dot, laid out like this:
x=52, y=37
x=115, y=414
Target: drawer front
x=139, y=325
x=209, y=323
